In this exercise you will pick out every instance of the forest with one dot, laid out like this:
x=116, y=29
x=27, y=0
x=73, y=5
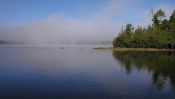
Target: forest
x=160, y=34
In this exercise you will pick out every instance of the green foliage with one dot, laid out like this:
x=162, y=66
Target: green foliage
x=172, y=17
x=127, y=35
x=160, y=35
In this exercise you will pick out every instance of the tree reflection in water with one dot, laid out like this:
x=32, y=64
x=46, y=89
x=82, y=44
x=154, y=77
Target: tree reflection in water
x=160, y=64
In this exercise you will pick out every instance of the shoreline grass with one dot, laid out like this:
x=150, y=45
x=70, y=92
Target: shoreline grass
x=133, y=49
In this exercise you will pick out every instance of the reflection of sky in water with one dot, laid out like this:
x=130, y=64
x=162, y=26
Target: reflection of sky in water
x=55, y=71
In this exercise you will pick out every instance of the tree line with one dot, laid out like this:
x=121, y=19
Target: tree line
x=161, y=34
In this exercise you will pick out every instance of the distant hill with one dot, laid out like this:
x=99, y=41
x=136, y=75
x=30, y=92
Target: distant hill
x=96, y=43
x=2, y=42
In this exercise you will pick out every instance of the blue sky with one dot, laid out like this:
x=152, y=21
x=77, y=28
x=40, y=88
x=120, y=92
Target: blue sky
x=80, y=19
x=21, y=11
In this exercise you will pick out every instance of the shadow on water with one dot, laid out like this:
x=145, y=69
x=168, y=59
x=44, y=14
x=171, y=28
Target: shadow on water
x=159, y=64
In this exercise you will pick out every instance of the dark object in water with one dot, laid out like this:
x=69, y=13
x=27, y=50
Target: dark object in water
x=81, y=49
x=62, y=47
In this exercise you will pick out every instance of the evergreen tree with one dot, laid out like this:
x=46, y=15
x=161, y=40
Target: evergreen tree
x=160, y=35
x=127, y=35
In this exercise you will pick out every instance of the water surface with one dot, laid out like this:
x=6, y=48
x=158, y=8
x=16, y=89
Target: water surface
x=83, y=72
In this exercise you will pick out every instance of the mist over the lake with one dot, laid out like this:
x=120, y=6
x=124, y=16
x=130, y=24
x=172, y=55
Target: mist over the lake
x=57, y=29
x=102, y=24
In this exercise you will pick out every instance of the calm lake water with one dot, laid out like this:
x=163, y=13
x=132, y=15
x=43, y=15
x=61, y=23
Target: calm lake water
x=85, y=73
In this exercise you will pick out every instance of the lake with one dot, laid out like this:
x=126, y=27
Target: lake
x=85, y=73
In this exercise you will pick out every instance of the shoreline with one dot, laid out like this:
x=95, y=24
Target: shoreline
x=132, y=49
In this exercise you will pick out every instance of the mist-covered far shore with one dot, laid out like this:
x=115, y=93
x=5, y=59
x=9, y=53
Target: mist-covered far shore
x=57, y=44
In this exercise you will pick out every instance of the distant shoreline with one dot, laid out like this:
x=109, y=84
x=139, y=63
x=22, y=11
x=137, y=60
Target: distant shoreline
x=132, y=49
